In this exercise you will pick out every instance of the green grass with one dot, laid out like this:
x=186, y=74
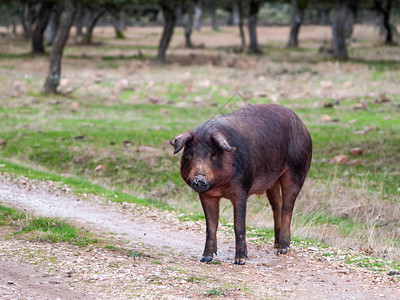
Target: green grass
x=54, y=146
x=56, y=230
x=214, y=292
x=130, y=253
x=344, y=225
x=261, y=234
x=373, y=263
x=9, y=215
x=195, y=279
x=191, y=217
x=43, y=228
x=134, y=254
x=111, y=247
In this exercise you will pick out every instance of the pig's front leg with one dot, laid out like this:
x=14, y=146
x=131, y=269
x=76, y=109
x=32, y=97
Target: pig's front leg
x=239, y=215
x=211, y=212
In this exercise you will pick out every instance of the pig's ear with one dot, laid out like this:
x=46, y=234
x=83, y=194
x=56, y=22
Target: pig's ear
x=180, y=141
x=221, y=141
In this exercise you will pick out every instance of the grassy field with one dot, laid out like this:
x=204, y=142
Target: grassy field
x=108, y=130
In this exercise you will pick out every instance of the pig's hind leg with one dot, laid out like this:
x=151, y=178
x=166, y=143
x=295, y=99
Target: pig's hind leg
x=275, y=199
x=290, y=189
x=211, y=212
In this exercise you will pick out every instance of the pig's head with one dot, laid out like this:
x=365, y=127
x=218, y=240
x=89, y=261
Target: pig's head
x=206, y=161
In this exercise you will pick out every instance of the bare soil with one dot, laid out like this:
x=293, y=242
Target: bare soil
x=169, y=266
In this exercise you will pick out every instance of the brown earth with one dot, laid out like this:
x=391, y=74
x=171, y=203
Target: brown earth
x=170, y=266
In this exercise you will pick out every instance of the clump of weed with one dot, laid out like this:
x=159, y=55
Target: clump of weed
x=43, y=228
x=214, y=292
x=10, y=215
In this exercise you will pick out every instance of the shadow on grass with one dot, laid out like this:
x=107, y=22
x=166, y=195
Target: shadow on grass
x=378, y=64
x=4, y=56
x=275, y=53
x=111, y=57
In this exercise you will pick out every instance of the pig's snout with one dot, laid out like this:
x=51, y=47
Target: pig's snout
x=200, y=184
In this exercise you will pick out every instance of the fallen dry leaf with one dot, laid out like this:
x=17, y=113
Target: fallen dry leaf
x=355, y=162
x=205, y=83
x=273, y=98
x=127, y=143
x=147, y=149
x=327, y=85
x=328, y=105
x=74, y=106
x=154, y=100
x=325, y=118
x=384, y=98
x=260, y=94
x=64, y=82
x=124, y=84
x=339, y=160
x=100, y=168
x=359, y=132
x=356, y=151
x=371, y=128
x=360, y=106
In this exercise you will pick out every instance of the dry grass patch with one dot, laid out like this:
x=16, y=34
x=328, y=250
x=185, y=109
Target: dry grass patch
x=349, y=217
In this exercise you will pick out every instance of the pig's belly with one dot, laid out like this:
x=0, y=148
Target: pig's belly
x=262, y=183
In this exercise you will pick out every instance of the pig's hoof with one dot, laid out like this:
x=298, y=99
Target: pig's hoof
x=206, y=259
x=282, y=251
x=240, y=261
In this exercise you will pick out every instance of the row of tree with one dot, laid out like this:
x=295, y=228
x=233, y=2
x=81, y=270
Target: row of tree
x=51, y=20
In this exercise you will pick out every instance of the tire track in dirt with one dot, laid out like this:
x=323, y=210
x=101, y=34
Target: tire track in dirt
x=303, y=274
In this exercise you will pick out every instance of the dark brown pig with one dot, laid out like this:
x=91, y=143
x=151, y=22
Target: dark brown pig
x=258, y=149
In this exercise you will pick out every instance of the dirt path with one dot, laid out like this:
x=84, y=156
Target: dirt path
x=172, y=268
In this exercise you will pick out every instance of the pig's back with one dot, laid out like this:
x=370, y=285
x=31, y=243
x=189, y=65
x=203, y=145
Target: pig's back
x=268, y=139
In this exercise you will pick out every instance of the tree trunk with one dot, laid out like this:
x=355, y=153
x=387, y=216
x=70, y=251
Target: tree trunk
x=95, y=16
x=235, y=18
x=384, y=7
x=338, y=29
x=350, y=21
x=119, y=34
x=252, y=26
x=297, y=19
x=241, y=29
x=122, y=18
x=79, y=20
x=179, y=15
x=41, y=23
x=27, y=19
x=52, y=26
x=14, y=27
x=213, y=13
x=169, y=24
x=66, y=20
x=324, y=16
x=197, y=16
x=188, y=24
